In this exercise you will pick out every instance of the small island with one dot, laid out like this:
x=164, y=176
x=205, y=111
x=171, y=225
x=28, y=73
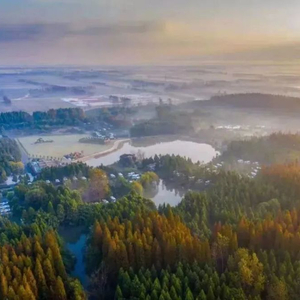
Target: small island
x=42, y=141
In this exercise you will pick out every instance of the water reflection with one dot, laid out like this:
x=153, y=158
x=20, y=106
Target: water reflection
x=75, y=238
x=77, y=250
x=164, y=194
x=195, y=151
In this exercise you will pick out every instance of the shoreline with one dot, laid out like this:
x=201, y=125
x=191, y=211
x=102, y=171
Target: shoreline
x=118, y=144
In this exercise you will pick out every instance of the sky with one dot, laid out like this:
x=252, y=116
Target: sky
x=130, y=32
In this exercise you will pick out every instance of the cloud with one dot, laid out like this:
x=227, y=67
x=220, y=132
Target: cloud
x=122, y=28
x=119, y=42
x=39, y=31
x=31, y=32
x=286, y=51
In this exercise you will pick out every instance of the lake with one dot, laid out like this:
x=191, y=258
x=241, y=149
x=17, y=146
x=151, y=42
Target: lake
x=195, y=151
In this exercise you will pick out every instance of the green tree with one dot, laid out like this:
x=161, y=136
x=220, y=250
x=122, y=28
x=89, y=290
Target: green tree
x=137, y=187
x=60, y=213
x=119, y=294
x=201, y=296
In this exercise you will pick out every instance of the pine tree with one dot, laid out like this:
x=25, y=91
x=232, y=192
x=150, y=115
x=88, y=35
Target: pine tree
x=118, y=294
x=3, y=286
x=135, y=287
x=60, y=213
x=11, y=295
x=40, y=279
x=126, y=285
x=189, y=295
x=156, y=286
x=60, y=293
x=202, y=296
x=210, y=294
x=50, y=208
x=154, y=295
x=173, y=293
x=28, y=292
x=31, y=281
x=49, y=273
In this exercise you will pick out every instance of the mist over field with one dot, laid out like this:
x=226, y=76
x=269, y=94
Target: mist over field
x=72, y=86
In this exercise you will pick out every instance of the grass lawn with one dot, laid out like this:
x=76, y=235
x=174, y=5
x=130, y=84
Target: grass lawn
x=62, y=145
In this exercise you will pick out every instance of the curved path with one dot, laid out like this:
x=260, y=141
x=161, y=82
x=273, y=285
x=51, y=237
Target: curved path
x=118, y=144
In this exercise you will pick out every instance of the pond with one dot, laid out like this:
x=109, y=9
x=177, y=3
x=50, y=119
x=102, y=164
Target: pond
x=165, y=194
x=75, y=240
x=77, y=250
x=195, y=151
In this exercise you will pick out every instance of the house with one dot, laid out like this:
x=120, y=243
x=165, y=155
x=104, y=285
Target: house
x=57, y=181
x=111, y=136
x=151, y=167
x=35, y=167
x=135, y=177
x=113, y=199
x=4, y=211
x=96, y=134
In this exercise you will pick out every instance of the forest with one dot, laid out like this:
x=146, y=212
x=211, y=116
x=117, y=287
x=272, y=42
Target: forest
x=237, y=240
x=231, y=237
x=32, y=266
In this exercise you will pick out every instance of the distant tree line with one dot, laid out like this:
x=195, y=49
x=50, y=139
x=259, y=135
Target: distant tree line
x=53, y=117
x=255, y=101
x=167, y=122
x=275, y=148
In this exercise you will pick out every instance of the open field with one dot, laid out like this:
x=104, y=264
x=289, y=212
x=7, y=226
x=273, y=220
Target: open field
x=62, y=145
